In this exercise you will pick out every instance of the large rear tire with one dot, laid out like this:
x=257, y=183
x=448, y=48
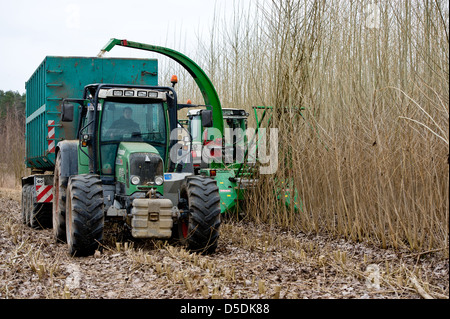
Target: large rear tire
x=59, y=202
x=84, y=214
x=199, y=230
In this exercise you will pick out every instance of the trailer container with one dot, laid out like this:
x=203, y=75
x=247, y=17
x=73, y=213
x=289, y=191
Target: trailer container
x=58, y=78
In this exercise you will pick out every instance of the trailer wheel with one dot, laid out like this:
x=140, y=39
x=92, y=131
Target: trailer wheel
x=199, y=230
x=59, y=202
x=84, y=214
x=40, y=214
x=25, y=204
x=35, y=215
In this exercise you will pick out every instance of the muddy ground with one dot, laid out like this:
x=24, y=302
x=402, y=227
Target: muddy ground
x=252, y=261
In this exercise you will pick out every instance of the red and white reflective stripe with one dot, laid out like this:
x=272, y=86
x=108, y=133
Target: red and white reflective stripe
x=44, y=193
x=51, y=136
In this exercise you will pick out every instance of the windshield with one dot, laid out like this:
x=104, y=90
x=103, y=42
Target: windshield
x=130, y=122
x=133, y=122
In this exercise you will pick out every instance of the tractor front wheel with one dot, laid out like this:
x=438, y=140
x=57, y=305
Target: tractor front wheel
x=199, y=228
x=84, y=214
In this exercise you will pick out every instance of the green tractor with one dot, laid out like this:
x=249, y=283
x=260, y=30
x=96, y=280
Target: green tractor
x=236, y=150
x=113, y=157
x=221, y=156
x=125, y=173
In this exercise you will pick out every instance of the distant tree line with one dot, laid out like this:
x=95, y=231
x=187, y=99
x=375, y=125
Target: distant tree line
x=12, y=137
x=11, y=101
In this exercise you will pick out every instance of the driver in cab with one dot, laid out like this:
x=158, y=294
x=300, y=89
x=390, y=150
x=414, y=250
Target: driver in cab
x=124, y=125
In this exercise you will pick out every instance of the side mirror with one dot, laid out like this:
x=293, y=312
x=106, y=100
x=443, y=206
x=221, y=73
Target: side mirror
x=207, y=120
x=67, y=112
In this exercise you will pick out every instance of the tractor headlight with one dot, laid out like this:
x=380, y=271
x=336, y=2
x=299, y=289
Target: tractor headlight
x=159, y=180
x=135, y=180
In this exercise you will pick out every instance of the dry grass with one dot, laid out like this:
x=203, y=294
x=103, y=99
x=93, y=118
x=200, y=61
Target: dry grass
x=11, y=193
x=252, y=261
x=370, y=156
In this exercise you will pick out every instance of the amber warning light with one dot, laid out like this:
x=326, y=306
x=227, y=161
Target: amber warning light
x=174, y=80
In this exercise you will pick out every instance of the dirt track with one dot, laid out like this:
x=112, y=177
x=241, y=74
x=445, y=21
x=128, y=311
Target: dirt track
x=250, y=262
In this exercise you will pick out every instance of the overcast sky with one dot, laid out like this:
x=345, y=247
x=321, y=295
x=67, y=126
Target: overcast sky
x=31, y=30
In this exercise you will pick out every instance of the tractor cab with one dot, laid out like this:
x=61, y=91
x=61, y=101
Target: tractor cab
x=124, y=135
